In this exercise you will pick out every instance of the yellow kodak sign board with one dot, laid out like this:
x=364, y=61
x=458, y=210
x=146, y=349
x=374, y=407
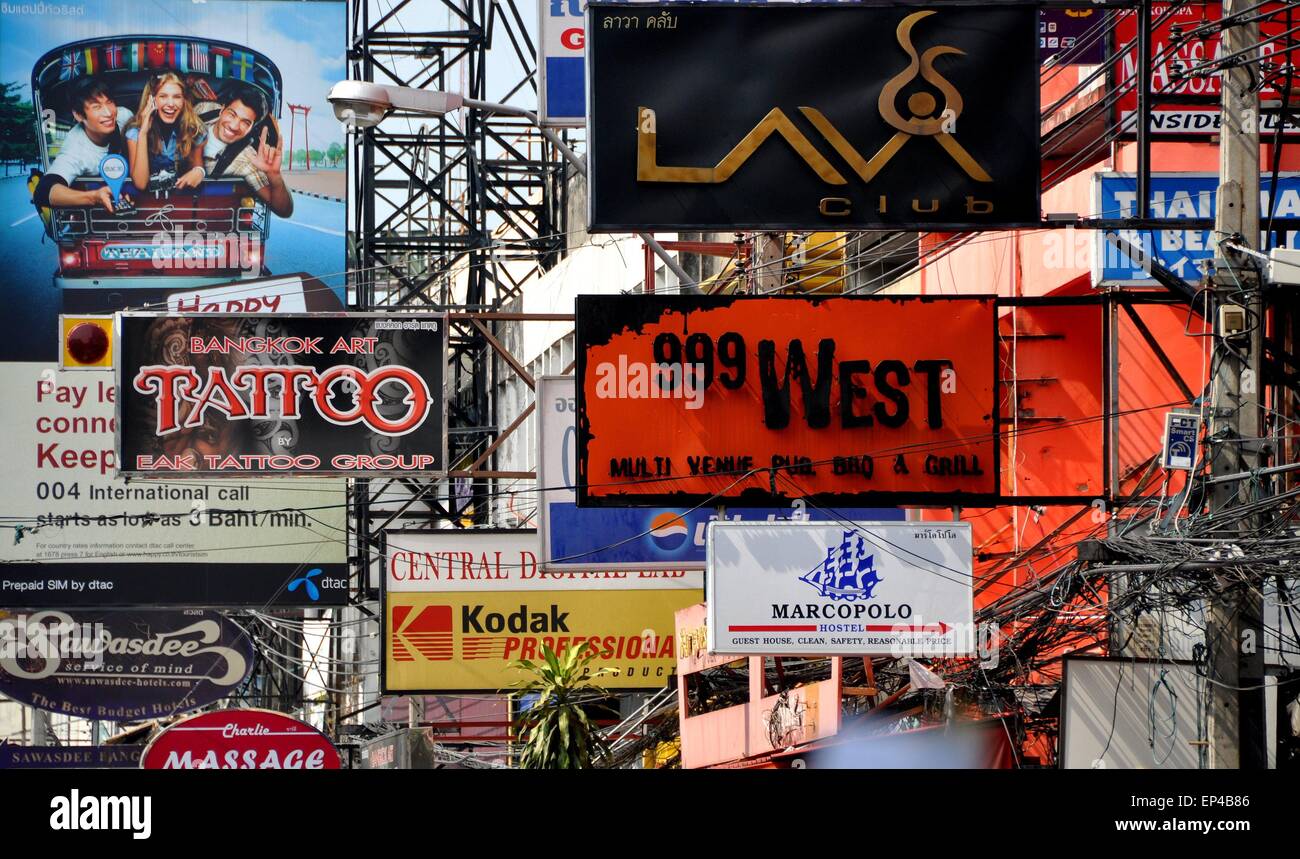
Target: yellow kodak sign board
x=466, y=641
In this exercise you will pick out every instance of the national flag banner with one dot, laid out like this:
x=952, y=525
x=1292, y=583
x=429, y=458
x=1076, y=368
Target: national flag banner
x=113, y=56
x=92, y=65
x=70, y=66
x=242, y=65
x=220, y=60
x=199, y=57
x=177, y=56
x=135, y=52
x=157, y=55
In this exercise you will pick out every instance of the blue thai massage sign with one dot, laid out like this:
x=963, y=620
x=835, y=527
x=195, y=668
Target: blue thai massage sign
x=121, y=665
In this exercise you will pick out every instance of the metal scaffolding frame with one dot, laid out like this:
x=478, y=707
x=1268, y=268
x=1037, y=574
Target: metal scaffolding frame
x=454, y=213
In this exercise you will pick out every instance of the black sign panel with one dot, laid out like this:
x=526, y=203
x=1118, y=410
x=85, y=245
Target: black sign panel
x=812, y=117
x=255, y=395
x=57, y=584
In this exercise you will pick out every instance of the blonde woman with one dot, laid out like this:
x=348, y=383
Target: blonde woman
x=166, y=135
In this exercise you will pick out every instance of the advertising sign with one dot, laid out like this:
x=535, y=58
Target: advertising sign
x=72, y=534
x=561, y=72
x=1175, y=195
x=1072, y=36
x=157, y=153
x=774, y=117
x=1182, y=438
x=239, y=395
x=122, y=666
x=588, y=538
x=462, y=605
x=844, y=589
x=240, y=740
x=717, y=399
x=14, y=757
x=467, y=640
x=480, y=560
x=1173, y=60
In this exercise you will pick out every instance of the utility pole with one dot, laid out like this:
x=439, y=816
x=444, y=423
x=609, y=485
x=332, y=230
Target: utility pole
x=1234, y=636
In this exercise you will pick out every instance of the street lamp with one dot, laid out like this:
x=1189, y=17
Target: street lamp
x=362, y=104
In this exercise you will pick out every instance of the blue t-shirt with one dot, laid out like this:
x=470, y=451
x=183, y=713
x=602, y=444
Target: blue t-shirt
x=168, y=159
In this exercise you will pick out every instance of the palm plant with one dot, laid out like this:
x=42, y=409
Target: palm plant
x=556, y=731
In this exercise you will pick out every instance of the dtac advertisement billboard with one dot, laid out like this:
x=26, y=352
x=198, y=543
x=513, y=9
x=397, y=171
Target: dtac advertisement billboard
x=779, y=117
x=635, y=538
x=155, y=163
x=461, y=606
x=843, y=589
x=161, y=154
x=240, y=395
x=1175, y=195
x=707, y=400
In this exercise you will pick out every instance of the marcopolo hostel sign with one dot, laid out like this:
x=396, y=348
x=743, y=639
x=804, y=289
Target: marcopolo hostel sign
x=776, y=116
x=693, y=399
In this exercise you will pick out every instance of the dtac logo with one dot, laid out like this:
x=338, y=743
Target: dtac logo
x=847, y=573
x=926, y=118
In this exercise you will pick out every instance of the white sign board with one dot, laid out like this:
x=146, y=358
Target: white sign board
x=473, y=560
x=840, y=589
x=561, y=63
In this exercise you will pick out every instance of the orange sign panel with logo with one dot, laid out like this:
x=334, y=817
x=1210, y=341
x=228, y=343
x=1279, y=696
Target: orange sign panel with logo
x=468, y=640
x=718, y=399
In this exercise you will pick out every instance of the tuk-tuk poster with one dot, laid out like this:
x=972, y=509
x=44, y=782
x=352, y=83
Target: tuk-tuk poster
x=242, y=210
x=240, y=396
x=172, y=146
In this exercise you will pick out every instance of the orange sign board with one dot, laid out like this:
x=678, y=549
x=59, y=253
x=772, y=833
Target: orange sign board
x=724, y=399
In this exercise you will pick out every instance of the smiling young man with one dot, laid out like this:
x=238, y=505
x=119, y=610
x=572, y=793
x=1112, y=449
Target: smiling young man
x=97, y=133
x=229, y=150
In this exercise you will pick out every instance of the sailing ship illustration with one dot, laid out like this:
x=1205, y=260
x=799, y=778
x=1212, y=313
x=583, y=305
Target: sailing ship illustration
x=848, y=573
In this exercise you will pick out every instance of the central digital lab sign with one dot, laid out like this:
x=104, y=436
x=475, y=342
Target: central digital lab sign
x=716, y=399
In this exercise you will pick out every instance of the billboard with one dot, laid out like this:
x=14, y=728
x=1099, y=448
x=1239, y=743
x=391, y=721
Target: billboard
x=71, y=534
x=774, y=117
x=232, y=395
x=561, y=72
x=1173, y=59
x=461, y=606
x=158, y=153
x=1174, y=195
x=240, y=740
x=686, y=400
x=122, y=666
x=1072, y=36
x=585, y=538
x=841, y=589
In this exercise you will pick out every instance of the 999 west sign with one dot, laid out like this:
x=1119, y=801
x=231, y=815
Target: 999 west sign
x=715, y=399
x=783, y=116
x=242, y=394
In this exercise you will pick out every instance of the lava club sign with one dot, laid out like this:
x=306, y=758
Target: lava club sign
x=709, y=399
x=240, y=739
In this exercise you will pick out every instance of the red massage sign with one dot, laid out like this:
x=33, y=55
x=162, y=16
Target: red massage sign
x=243, y=740
x=716, y=399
